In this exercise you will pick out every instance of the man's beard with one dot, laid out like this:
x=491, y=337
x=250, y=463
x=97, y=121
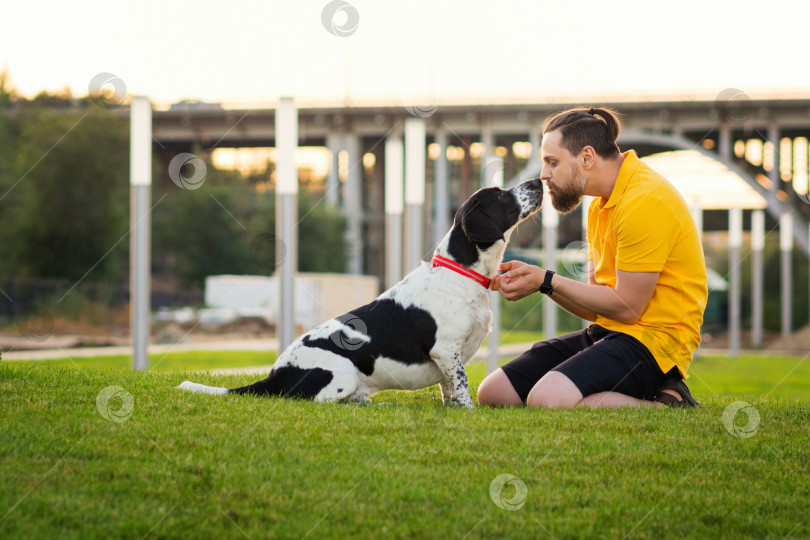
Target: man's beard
x=565, y=200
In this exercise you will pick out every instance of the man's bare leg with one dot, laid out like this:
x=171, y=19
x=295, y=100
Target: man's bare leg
x=615, y=400
x=497, y=391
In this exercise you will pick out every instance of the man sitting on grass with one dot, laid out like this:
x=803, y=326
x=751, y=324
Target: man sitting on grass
x=646, y=289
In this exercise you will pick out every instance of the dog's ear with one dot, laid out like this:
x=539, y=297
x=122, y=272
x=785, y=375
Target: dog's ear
x=479, y=227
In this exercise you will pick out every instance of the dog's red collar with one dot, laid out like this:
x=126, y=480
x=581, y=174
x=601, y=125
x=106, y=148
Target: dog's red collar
x=438, y=260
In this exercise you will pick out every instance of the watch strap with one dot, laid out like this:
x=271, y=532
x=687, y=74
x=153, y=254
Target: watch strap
x=546, y=287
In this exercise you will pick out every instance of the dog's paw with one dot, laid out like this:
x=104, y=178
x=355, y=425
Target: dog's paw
x=464, y=401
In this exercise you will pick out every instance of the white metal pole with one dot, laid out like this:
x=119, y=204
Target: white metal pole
x=785, y=247
x=415, y=138
x=586, y=204
x=286, y=217
x=734, y=244
x=140, y=177
x=757, y=247
x=551, y=220
x=492, y=172
x=394, y=205
x=697, y=217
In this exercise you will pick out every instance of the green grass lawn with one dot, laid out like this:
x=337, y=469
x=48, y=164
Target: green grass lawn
x=175, y=361
x=179, y=465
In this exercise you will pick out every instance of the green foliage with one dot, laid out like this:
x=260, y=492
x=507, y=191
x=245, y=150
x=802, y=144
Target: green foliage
x=65, y=213
x=195, y=237
x=772, y=273
x=321, y=236
x=225, y=227
x=64, y=205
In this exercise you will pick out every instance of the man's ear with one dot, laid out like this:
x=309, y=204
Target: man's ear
x=479, y=227
x=588, y=156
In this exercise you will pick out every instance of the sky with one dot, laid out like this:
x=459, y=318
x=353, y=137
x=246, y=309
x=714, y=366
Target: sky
x=252, y=52
x=246, y=53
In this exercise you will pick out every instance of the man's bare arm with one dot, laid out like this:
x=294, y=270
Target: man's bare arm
x=625, y=302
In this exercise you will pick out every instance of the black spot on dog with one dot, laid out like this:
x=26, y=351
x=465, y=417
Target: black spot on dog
x=403, y=334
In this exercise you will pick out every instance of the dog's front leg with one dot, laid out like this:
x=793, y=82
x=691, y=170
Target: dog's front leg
x=455, y=382
x=447, y=392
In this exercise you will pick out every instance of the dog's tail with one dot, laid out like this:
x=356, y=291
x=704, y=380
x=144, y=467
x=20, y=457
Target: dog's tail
x=289, y=381
x=285, y=381
x=202, y=389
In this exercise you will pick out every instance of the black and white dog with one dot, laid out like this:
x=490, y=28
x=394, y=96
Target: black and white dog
x=418, y=333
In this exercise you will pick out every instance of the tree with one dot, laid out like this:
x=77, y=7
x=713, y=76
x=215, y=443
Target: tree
x=321, y=236
x=67, y=209
x=196, y=233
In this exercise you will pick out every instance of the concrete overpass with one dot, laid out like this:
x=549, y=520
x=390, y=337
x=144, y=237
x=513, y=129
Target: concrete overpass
x=724, y=128
x=710, y=126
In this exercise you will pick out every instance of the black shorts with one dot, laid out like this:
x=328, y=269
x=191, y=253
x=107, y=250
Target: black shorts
x=595, y=359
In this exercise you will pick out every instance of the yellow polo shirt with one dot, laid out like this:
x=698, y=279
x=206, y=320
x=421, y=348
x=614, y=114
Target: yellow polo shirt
x=645, y=226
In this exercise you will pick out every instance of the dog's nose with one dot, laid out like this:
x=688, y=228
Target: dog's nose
x=536, y=183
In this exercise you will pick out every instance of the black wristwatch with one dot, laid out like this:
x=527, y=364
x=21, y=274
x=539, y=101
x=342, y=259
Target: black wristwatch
x=546, y=287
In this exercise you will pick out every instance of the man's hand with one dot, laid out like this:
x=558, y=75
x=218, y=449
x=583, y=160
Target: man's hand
x=519, y=281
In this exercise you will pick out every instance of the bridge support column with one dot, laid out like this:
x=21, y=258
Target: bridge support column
x=415, y=138
x=551, y=220
x=535, y=137
x=785, y=247
x=724, y=142
x=488, y=141
x=757, y=247
x=353, y=203
x=441, y=223
x=734, y=245
x=333, y=144
x=394, y=171
x=774, y=138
